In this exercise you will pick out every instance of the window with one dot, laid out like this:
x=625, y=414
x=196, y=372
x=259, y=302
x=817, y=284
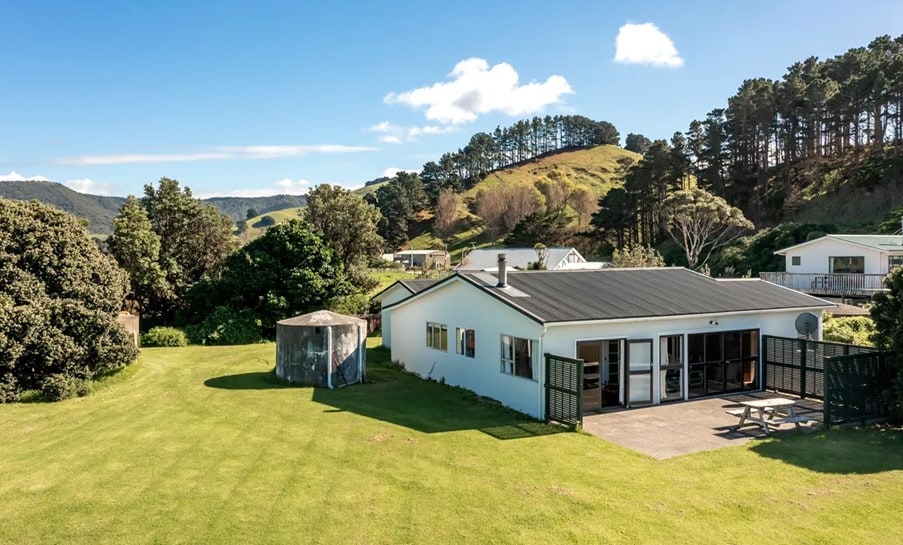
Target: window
x=437, y=336
x=517, y=356
x=847, y=264
x=795, y=261
x=466, y=341
x=894, y=261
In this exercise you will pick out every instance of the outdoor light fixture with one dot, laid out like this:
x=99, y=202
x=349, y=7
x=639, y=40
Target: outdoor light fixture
x=713, y=323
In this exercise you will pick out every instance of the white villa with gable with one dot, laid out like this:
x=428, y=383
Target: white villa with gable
x=842, y=265
x=647, y=336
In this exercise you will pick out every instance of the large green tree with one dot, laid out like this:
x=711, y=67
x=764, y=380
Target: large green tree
x=136, y=248
x=193, y=237
x=59, y=297
x=289, y=270
x=347, y=222
x=701, y=222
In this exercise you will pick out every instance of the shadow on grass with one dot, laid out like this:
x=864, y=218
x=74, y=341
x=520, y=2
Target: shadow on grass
x=845, y=451
x=399, y=398
x=429, y=407
x=243, y=381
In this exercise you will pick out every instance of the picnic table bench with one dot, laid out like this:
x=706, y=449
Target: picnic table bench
x=762, y=412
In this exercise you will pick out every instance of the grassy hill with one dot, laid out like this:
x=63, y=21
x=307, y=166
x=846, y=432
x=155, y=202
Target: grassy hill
x=100, y=210
x=281, y=216
x=594, y=168
x=237, y=207
x=195, y=445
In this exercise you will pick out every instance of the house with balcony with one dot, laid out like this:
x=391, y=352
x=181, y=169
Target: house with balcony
x=839, y=265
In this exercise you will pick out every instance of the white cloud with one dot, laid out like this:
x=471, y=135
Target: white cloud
x=87, y=185
x=14, y=176
x=212, y=154
x=393, y=134
x=391, y=172
x=476, y=89
x=645, y=44
x=285, y=186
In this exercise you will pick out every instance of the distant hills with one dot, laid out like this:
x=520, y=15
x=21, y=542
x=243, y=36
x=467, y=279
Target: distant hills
x=100, y=210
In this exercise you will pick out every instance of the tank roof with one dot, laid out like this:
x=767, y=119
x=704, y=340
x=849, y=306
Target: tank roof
x=321, y=318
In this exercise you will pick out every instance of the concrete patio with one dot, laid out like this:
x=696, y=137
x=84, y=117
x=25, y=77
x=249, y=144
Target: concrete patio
x=669, y=430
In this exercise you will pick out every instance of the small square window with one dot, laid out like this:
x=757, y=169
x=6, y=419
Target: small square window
x=795, y=261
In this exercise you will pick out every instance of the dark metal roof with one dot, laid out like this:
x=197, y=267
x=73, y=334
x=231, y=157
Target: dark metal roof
x=611, y=294
x=413, y=286
x=416, y=286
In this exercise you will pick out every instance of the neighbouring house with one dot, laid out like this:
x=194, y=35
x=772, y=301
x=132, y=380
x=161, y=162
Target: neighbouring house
x=647, y=336
x=417, y=259
x=839, y=265
x=401, y=289
x=485, y=259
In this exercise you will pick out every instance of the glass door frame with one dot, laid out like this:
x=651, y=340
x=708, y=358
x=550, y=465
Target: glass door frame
x=629, y=373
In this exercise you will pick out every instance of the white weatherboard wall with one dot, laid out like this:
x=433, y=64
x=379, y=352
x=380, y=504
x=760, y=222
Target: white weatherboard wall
x=459, y=304
x=391, y=296
x=814, y=256
x=562, y=339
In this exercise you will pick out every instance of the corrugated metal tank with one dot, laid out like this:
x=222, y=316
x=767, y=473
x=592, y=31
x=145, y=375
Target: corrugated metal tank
x=321, y=349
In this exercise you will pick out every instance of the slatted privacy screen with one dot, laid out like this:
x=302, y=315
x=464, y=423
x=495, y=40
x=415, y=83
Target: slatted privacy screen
x=564, y=390
x=855, y=386
x=797, y=366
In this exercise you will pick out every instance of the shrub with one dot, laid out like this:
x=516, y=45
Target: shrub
x=58, y=302
x=59, y=387
x=164, y=336
x=266, y=221
x=8, y=390
x=226, y=326
x=849, y=330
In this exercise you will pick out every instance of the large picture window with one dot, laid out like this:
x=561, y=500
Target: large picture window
x=847, y=264
x=437, y=336
x=517, y=356
x=466, y=341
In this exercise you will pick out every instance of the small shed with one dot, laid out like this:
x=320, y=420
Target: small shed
x=321, y=349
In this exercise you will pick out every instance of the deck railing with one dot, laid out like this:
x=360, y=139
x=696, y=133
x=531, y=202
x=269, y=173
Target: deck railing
x=837, y=284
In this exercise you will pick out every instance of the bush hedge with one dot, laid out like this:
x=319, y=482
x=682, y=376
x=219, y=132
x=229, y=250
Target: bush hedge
x=164, y=336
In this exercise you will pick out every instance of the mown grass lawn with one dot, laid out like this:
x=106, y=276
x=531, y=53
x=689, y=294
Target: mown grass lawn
x=195, y=446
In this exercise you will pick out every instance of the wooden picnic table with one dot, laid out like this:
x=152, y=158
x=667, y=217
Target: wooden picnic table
x=765, y=411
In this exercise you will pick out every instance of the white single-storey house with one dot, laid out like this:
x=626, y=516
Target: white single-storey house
x=401, y=289
x=839, y=265
x=486, y=259
x=435, y=259
x=855, y=254
x=647, y=336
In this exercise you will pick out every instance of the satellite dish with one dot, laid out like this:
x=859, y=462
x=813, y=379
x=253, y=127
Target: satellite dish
x=806, y=324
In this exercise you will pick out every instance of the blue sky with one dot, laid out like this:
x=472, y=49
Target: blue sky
x=255, y=98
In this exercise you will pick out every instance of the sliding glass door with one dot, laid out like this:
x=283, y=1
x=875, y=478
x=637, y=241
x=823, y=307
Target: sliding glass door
x=722, y=362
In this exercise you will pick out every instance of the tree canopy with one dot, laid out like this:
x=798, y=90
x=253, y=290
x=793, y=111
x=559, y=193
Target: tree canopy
x=289, y=270
x=59, y=301
x=191, y=240
x=701, y=222
x=347, y=222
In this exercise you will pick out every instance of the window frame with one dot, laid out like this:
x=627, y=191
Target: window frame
x=510, y=363
x=462, y=346
x=437, y=336
x=890, y=262
x=796, y=261
x=849, y=262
